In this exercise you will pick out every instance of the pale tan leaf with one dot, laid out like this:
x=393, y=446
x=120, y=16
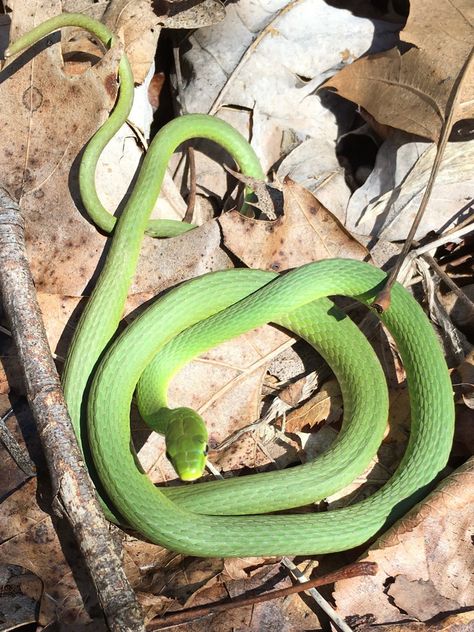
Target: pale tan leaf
x=429, y=552
x=139, y=26
x=411, y=91
x=225, y=386
x=182, y=16
x=306, y=232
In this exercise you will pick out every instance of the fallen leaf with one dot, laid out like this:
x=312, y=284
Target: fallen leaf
x=385, y=206
x=41, y=143
x=29, y=539
x=262, y=59
x=459, y=622
x=411, y=91
x=225, y=387
x=429, y=552
x=181, y=16
x=20, y=594
x=306, y=232
x=326, y=403
x=139, y=26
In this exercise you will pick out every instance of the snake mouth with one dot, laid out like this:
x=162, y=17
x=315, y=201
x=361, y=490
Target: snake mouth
x=190, y=475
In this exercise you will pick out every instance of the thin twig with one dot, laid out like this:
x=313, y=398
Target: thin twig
x=462, y=296
x=319, y=599
x=382, y=301
x=190, y=614
x=445, y=239
x=14, y=449
x=191, y=201
x=73, y=493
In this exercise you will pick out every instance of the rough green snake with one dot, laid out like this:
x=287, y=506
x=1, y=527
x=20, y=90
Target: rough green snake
x=227, y=518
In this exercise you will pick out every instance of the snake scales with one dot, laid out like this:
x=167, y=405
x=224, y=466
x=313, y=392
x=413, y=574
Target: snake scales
x=228, y=518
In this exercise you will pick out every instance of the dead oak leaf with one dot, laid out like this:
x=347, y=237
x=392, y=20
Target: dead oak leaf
x=429, y=551
x=29, y=539
x=306, y=232
x=411, y=91
x=46, y=119
x=224, y=385
x=327, y=402
x=139, y=26
x=459, y=622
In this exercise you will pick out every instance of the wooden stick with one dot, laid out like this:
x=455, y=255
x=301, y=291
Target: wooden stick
x=74, y=495
x=191, y=614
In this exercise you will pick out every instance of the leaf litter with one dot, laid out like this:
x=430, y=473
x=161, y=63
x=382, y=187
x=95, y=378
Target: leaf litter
x=424, y=560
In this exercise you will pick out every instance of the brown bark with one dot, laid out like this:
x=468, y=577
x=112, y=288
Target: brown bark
x=74, y=495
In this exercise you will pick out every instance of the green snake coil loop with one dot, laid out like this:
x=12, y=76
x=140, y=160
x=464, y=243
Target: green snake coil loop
x=211, y=519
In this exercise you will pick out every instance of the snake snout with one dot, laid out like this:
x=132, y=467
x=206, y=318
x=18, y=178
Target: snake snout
x=186, y=443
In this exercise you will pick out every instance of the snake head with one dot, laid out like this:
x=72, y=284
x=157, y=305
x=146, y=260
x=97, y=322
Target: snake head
x=186, y=443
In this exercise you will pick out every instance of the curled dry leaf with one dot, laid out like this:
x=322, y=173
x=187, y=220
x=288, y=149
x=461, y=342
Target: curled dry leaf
x=19, y=598
x=179, y=15
x=38, y=165
x=411, y=91
x=306, y=232
x=459, y=622
x=425, y=560
x=29, y=539
x=325, y=404
x=225, y=386
x=386, y=204
x=139, y=26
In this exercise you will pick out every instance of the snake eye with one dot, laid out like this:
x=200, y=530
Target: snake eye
x=206, y=450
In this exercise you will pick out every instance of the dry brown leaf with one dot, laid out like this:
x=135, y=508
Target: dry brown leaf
x=29, y=539
x=306, y=232
x=139, y=27
x=46, y=119
x=225, y=386
x=411, y=91
x=327, y=402
x=459, y=622
x=180, y=15
x=425, y=561
x=20, y=593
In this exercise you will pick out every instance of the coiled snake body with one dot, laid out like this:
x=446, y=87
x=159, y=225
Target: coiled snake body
x=210, y=519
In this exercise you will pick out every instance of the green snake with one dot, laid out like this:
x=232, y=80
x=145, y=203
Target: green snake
x=229, y=518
